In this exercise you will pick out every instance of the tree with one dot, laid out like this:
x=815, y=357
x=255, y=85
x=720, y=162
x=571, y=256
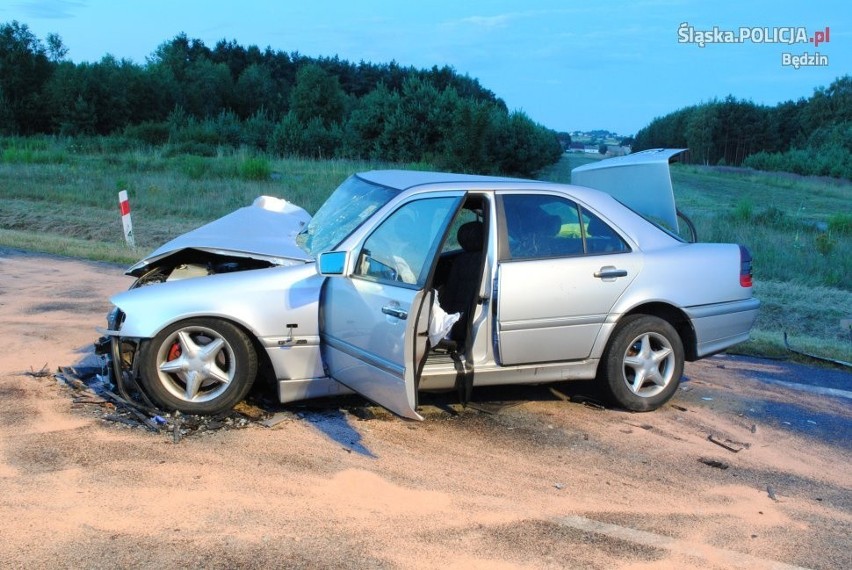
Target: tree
x=56, y=50
x=317, y=94
x=365, y=133
x=255, y=90
x=700, y=131
x=24, y=70
x=564, y=139
x=207, y=89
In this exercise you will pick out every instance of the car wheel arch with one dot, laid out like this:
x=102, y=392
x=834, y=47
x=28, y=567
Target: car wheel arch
x=676, y=318
x=143, y=328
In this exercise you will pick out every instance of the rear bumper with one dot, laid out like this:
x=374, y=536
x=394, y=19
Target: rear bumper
x=721, y=325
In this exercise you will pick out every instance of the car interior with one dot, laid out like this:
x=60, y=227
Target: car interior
x=459, y=270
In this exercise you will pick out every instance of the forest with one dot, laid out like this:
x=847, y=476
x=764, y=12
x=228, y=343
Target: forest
x=196, y=100
x=810, y=136
x=189, y=98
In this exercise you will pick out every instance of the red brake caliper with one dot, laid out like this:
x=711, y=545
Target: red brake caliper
x=174, y=351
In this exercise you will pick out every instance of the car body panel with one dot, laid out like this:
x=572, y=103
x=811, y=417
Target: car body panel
x=267, y=300
x=553, y=309
x=265, y=230
x=720, y=325
x=367, y=349
x=640, y=180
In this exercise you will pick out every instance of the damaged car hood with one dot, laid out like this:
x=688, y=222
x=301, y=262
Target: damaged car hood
x=266, y=230
x=641, y=181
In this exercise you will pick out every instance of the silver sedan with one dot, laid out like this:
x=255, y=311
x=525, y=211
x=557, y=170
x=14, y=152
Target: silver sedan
x=407, y=281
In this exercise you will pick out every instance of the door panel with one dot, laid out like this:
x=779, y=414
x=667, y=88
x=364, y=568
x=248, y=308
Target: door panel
x=552, y=309
x=374, y=322
x=367, y=349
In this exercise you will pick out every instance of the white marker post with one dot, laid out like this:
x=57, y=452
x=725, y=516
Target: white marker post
x=125, y=218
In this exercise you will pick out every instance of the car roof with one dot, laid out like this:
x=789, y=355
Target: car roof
x=406, y=179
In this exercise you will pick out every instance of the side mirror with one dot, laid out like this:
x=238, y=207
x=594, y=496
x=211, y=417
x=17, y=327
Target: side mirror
x=332, y=263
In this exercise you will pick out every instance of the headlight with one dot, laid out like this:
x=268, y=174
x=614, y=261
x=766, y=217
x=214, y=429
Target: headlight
x=115, y=319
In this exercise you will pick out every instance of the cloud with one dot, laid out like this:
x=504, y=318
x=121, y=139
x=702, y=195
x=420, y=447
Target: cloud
x=51, y=9
x=487, y=22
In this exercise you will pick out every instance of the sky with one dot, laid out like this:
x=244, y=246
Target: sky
x=569, y=65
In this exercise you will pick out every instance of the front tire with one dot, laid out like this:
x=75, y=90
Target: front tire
x=643, y=363
x=198, y=366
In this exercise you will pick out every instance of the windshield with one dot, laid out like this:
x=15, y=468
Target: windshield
x=346, y=209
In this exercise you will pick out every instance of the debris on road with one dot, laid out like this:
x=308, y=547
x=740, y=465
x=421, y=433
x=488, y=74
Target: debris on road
x=90, y=386
x=771, y=493
x=43, y=373
x=277, y=418
x=714, y=463
x=734, y=446
x=588, y=402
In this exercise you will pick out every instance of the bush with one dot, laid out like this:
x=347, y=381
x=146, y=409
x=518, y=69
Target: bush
x=192, y=148
x=291, y=137
x=195, y=167
x=771, y=216
x=840, y=224
x=257, y=131
x=256, y=168
x=149, y=132
x=743, y=210
x=824, y=244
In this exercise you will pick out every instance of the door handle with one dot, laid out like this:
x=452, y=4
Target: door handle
x=610, y=272
x=395, y=311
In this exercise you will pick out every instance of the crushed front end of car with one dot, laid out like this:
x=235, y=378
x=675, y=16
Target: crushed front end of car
x=168, y=283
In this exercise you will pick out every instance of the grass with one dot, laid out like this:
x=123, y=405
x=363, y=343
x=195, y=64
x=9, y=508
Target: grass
x=61, y=197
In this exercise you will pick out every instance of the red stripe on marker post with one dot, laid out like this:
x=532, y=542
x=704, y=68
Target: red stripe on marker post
x=124, y=206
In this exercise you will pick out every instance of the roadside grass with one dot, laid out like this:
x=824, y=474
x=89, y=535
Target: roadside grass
x=61, y=196
x=796, y=228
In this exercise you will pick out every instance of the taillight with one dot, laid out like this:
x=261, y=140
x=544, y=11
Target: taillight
x=745, y=267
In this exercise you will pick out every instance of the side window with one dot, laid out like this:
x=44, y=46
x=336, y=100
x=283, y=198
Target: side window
x=464, y=216
x=540, y=226
x=401, y=248
x=600, y=238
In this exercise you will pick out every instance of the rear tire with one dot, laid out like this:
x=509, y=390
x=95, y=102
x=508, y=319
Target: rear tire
x=198, y=366
x=642, y=364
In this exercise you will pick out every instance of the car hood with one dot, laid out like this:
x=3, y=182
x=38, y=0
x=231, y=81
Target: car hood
x=265, y=230
x=641, y=181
